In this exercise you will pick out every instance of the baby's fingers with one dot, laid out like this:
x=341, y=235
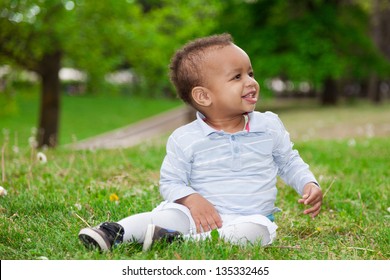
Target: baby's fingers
x=313, y=211
x=312, y=197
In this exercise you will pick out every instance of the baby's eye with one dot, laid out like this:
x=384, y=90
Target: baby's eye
x=251, y=74
x=237, y=77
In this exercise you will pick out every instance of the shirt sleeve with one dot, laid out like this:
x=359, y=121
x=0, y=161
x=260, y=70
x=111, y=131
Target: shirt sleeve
x=291, y=167
x=175, y=173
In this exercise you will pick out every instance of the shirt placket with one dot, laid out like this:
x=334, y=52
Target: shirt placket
x=236, y=153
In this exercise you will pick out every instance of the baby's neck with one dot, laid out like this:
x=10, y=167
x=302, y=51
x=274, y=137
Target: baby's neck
x=229, y=125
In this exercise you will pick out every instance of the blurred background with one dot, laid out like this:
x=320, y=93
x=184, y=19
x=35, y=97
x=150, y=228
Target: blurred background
x=58, y=54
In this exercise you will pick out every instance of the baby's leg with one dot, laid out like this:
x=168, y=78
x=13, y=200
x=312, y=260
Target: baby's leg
x=242, y=230
x=244, y=233
x=249, y=229
x=135, y=226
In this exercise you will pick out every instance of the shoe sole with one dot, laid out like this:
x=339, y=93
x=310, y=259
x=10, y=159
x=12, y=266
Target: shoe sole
x=90, y=237
x=148, y=241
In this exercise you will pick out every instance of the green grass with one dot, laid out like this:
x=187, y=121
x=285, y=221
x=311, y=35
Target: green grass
x=47, y=204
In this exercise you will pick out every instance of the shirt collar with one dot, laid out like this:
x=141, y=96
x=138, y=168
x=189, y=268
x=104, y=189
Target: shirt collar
x=257, y=121
x=256, y=124
x=207, y=130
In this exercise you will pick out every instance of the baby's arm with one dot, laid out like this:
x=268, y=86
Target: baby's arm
x=312, y=195
x=175, y=187
x=203, y=212
x=294, y=171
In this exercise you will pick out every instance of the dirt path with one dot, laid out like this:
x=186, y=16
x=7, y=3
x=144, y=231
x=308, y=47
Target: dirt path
x=139, y=132
x=303, y=124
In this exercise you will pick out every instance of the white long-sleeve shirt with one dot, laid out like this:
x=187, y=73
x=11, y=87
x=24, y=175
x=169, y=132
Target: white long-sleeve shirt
x=236, y=172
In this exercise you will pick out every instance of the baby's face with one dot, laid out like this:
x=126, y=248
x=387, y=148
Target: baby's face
x=229, y=77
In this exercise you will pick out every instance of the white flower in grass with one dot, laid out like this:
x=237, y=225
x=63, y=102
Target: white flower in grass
x=78, y=206
x=32, y=142
x=3, y=192
x=41, y=157
x=388, y=209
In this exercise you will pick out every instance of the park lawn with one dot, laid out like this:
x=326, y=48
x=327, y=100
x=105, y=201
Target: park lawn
x=48, y=203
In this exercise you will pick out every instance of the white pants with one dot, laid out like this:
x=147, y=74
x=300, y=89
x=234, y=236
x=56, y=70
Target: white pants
x=237, y=229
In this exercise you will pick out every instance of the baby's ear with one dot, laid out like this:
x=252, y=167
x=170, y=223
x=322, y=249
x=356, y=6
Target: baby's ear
x=201, y=96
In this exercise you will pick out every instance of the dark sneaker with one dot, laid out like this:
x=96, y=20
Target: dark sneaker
x=104, y=236
x=154, y=233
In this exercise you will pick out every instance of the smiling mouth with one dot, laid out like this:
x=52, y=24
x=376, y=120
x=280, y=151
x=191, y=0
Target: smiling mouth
x=250, y=97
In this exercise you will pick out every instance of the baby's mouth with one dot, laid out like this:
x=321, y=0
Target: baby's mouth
x=250, y=97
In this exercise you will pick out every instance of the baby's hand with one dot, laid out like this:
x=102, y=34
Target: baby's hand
x=312, y=195
x=202, y=211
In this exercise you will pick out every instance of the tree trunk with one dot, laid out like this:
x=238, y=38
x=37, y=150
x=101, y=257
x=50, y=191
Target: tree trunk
x=373, y=89
x=330, y=92
x=50, y=100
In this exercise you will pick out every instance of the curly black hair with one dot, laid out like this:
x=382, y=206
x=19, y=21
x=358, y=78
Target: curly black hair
x=186, y=63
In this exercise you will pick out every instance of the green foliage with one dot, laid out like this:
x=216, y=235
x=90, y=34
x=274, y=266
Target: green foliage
x=162, y=30
x=305, y=40
x=100, y=37
x=301, y=41
x=31, y=29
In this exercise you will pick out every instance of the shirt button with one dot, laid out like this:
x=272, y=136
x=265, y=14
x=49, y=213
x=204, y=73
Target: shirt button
x=233, y=137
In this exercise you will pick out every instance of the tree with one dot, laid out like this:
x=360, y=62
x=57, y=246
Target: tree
x=95, y=36
x=318, y=41
x=37, y=35
x=380, y=32
x=166, y=25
